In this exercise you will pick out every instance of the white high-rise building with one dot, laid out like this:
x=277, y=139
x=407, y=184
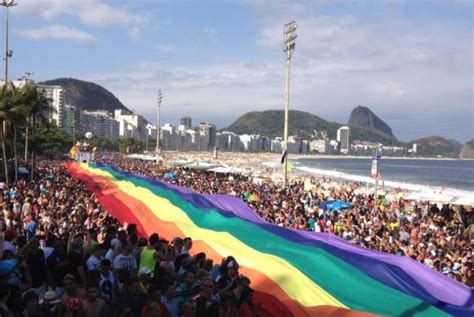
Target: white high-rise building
x=343, y=139
x=56, y=95
x=131, y=125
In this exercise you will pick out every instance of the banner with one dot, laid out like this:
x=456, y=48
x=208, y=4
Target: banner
x=293, y=273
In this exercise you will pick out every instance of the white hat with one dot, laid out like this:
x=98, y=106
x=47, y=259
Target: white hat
x=49, y=298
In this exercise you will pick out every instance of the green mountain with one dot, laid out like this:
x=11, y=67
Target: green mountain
x=270, y=123
x=467, y=151
x=87, y=95
x=437, y=146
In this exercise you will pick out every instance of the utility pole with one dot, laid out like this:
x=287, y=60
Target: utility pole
x=289, y=37
x=160, y=98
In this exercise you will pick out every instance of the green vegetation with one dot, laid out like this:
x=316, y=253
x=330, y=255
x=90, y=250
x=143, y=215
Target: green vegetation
x=467, y=152
x=20, y=108
x=87, y=95
x=270, y=123
x=50, y=141
x=437, y=146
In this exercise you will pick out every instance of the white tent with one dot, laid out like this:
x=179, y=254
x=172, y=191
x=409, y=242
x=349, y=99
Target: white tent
x=429, y=196
x=227, y=170
x=144, y=157
x=464, y=200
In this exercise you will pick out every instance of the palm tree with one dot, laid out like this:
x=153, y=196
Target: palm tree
x=37, y=106
x=5, y=103
x=16, y=116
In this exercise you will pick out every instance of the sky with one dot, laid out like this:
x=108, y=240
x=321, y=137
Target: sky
x=410, y=62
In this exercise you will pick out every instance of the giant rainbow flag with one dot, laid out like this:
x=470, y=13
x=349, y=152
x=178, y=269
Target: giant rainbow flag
x=294, y=273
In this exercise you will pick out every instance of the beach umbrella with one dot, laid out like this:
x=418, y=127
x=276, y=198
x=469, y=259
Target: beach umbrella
x=333, y=205
x=170, y=175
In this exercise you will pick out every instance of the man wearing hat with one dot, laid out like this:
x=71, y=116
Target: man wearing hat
x=49, y=304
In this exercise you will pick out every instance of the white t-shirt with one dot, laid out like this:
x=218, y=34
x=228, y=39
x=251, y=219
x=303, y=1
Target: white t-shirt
x=127, y=262
x=93, y=263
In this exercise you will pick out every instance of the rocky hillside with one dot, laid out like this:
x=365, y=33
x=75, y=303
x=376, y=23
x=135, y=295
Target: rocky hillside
x=87, y=95
x=365, y=118
x=467, y=151
x=437, y=146
x=270, y=123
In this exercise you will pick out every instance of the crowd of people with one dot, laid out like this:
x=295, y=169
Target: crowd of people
x=64, y=255
x=440, y=238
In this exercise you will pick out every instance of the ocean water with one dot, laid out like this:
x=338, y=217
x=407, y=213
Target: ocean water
x=455, y=174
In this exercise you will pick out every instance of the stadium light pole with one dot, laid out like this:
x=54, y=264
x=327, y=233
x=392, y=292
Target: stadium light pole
x=7, y=4
x=289, y=37
x=160, y=98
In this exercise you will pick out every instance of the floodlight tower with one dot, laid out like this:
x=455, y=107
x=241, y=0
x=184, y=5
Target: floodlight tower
x=160, y=98
x=289, y=37
x=7, y=4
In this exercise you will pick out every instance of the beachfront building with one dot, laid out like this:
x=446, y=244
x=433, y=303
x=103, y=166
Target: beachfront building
x=56, y=96
x=207, y=140
x=320, y=134
x=228, y=141
x=343, y=139
x=186, y=122
x=297, y=144
x=319, y=146
x=168, y=136
x=131, y=125
x=333, y=146
x=100, y=123
x=71, y=120
x=393, y=150
x=276, y=145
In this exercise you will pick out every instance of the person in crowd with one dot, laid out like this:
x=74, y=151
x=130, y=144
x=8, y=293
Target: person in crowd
x=94, y=306
x=187, y=289
x=149, y=254
x=73, y=298
x=93, y=262
x=206, y=301
x=168, y=289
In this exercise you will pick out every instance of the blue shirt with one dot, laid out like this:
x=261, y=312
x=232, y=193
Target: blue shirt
x=31, y=228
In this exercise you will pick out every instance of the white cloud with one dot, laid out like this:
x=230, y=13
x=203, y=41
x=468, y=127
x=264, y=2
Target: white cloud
x=97, y=13
x=59, y=32
x=412, y=74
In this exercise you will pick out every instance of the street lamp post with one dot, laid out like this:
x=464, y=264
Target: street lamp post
x=289, y=37
x=160, y=98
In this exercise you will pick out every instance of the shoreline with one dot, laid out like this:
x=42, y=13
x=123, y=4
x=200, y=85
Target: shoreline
x=319, y=156
x=267, y=166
